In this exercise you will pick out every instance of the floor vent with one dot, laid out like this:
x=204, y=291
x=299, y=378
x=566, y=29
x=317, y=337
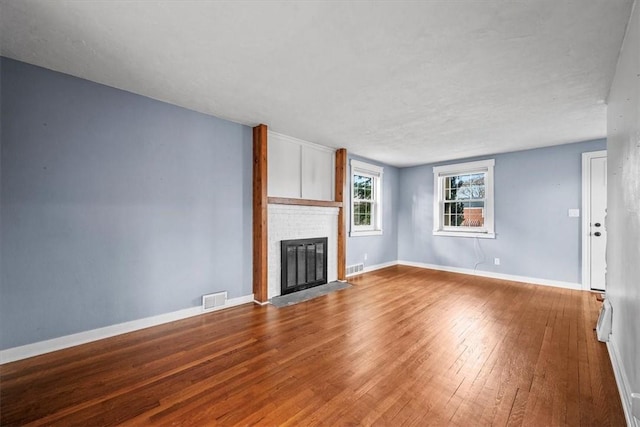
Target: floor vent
x=211, y=301
x=354, y=269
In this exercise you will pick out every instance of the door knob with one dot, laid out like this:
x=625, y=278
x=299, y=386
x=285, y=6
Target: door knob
x=597, y=224
x=597, y=233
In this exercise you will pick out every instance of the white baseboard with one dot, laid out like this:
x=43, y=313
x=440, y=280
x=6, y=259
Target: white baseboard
x=623, y=382
x=490, y=274
x=374, y=268
x=42, y=347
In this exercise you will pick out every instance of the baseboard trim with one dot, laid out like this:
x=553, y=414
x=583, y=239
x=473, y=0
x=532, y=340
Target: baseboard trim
x=42, y=347
x=622, y=381
x=374, y=268
x=492, y=275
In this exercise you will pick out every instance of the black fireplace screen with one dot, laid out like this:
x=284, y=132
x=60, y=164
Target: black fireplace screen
x=304, y=264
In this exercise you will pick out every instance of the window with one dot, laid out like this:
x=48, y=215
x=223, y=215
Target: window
x=463, y=204
x=366, y=199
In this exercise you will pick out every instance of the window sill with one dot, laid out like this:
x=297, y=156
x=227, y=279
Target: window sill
x=484, y=235
x=365, y=233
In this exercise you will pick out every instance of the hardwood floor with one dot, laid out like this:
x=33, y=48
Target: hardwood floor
x=403, y=346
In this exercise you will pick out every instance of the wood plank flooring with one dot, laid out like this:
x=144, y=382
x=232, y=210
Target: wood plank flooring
x=403, y=346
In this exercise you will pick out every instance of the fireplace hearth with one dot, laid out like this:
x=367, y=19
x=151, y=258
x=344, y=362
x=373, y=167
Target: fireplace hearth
x=303, y=264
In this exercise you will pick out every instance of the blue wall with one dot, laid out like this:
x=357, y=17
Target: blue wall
x=114, y=207
x=384, y=248
x=534, y=235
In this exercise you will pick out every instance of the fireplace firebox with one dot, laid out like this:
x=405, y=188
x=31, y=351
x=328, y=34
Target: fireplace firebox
x=304, y=264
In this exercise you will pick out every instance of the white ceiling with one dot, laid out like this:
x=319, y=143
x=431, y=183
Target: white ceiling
x=401, y=82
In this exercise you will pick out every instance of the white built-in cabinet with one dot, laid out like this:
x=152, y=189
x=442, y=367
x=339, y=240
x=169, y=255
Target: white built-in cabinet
x=299, y=169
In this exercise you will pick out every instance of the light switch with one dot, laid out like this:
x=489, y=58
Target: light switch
x=574, y=213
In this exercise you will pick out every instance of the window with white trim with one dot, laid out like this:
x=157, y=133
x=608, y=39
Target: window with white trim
x=463, y=199
x=366, y=199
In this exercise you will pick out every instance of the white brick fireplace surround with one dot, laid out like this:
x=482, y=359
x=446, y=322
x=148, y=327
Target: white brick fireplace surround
x=287, y=222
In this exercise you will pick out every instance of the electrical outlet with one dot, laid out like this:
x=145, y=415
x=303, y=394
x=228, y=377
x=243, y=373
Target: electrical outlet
x=366, y=256
x=496, y=261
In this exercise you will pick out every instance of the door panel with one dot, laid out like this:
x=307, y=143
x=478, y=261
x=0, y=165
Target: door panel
x=597, y=226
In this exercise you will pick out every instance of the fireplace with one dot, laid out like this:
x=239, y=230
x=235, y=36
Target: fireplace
x=288, y=222
x=304, y=264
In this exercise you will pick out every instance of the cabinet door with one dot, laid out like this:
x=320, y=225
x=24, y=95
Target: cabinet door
x=283, y=168
x=317, y=174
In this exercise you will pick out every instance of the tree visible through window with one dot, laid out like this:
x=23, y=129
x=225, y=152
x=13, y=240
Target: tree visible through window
x=362, y=199
x=366, y=198
x=463, y=199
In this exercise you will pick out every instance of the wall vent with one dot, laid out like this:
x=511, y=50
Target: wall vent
x=354, y=269
x=212, y=301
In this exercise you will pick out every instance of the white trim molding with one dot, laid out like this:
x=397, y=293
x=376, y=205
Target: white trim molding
x=440, y=173
x=622, y=381
x=374, y=268
x=492, y=275
x=586, y=214
x=299, y=141
x=375, y=173
x=54, y=344
x=366, y=233
x=479, y=273
x=464, y=234
x=457, y=168
x=366, y=167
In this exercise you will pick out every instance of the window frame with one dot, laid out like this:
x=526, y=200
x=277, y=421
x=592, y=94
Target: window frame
x=440, y=173
x=376, y=173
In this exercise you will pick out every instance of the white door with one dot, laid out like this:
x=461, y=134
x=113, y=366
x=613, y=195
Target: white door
x=595, y=224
